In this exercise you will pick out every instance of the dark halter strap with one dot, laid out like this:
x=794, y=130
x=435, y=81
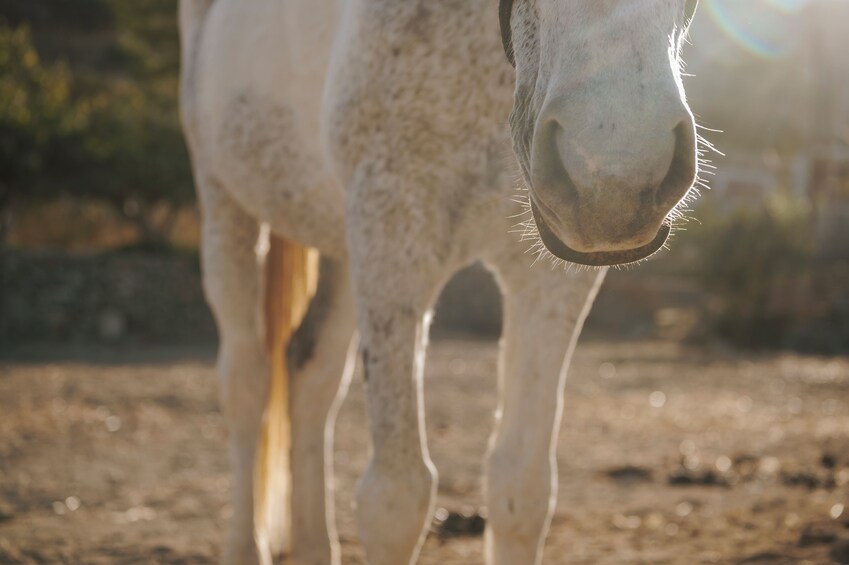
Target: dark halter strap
x=505, y=10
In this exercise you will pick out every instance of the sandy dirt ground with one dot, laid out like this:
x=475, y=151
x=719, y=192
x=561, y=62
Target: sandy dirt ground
x=668, y=455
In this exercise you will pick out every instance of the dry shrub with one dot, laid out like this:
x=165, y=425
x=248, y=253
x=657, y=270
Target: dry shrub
x=774, y=283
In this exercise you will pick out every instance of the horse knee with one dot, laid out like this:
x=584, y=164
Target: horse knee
x=243, y=380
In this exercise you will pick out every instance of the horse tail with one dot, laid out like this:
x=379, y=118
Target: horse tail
x=291, y=275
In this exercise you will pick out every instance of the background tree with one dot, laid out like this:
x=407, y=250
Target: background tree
x=101, y=114
x=38, y=119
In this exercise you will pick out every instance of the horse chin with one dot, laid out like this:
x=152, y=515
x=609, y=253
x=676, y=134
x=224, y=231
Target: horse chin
x=601, y=258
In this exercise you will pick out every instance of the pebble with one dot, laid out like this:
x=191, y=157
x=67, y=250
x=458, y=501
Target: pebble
x=6, y=512
x=460, y=524
x=816, y=537
x=840, y=551
x=629, y=474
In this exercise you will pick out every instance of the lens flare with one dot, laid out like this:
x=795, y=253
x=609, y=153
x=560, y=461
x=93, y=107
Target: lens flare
x=768, y=28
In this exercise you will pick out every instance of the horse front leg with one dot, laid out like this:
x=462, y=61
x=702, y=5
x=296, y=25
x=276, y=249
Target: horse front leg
x=544, y=312
x=395, y=280
x=395, y=495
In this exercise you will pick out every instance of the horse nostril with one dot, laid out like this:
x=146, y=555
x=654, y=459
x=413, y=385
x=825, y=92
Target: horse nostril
x=548, y=168
x=682, y=171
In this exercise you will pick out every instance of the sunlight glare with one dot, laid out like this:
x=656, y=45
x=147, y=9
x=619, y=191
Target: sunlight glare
x=768, y=28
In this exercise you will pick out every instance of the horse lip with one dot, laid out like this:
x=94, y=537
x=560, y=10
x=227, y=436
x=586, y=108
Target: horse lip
x=596, y=259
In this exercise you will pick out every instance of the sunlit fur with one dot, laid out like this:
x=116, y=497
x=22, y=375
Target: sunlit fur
x=376, y=132
x=599, y=113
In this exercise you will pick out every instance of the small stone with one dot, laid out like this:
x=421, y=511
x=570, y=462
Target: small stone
x=686, y=477
x=629, y=474
x=461, y=524
x=112, y=325
x=6, y=513
x=816, y=537
x=840, y=551
x=802, y=479
x=113, y=423
x=72, y=503
x=828, y=461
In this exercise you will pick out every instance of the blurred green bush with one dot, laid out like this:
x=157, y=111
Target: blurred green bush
x=95, y=116
x=773, y=282
x=39, y=121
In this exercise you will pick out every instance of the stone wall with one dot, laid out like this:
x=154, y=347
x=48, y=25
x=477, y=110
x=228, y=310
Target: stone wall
x=104, y=297
x=157, y=298
x=150, y=298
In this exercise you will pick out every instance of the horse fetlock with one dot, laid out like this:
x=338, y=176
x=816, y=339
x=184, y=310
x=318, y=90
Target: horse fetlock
x=243, y=549
x=520, y=502
x=394, y=505
x=519, y=518
x=314, y=551
x=506, y=551
x=515, y=529
x=312, y=541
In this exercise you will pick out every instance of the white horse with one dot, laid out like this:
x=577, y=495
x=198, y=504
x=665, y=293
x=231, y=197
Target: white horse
x=375, y=132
